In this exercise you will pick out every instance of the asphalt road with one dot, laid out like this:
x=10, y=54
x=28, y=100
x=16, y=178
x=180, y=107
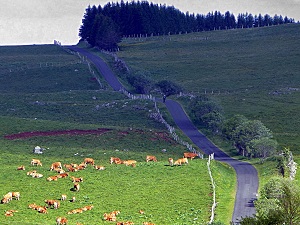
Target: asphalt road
x=247, y=179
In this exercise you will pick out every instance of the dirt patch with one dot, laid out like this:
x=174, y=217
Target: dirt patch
x=24, y=135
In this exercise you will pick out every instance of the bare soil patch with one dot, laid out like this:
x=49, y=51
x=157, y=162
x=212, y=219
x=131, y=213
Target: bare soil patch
x=24, y=135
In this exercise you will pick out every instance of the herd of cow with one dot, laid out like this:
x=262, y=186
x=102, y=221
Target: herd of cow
x=63, y=173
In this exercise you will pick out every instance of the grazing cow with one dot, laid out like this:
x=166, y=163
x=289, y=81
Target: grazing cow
x=36, y=162
x=5, y=200
x=171, y=162
x=141, y=211
x=99, y=167
x=76, y=187
x=189, y=155
x=115, y=160
x=89, y=161
x=16, y=195
x=52, y=178
x=73, y=199
x=8, y=196
x=151, y=158
x=54, y=203
x=55, y=165
x=181, y=161
x=129, y=162
x=21, y=168
x=88, y=207
x=61, y=221
x=76, y=179
x=148, y=223
x=63, y=197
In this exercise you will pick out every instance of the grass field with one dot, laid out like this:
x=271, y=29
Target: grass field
x=253, y=72
x=43, y=88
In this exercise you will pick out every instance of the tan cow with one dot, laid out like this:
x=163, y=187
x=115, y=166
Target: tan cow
x=61, y=221
x=63, y=197
x=75, y=211
x=88, y=207
x=10, y=212
x=151, y=158
x=189, y=155
x=37, y=175
x=36, y=162
x=33, y=206
x=8, y=196
x=76, y=179
x=181, y=161
x=99, y=167
x=55, y=165
x=148, y=223
x=30, y=173
x=89, y=161
x=129, y=162
x=171, y=161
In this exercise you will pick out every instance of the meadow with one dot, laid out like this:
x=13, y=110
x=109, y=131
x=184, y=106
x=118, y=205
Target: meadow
x=44, y=88
x=253, y=72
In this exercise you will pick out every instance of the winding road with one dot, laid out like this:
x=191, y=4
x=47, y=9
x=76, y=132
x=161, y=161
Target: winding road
x=247, y=179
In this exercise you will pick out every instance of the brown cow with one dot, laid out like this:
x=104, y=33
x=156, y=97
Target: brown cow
x=189, y=155
x=36, y=162
x=75, y=211
x=151, y=158
x=54, y=203
x=62, y=175
x=52, y=178
x=115, y=160
x=89, y=161
x=181, y=161
x=55, y=165
x=61, y=221
x=21, y=168
x=42, y=209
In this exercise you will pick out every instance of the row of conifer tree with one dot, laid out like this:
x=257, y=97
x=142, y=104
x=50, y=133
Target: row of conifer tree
x=105, y=26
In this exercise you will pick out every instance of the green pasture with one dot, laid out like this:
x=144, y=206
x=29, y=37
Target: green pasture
x=253, y=72
x=44, y=88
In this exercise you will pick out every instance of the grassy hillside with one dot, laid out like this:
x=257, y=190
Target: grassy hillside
x=254, y=72
x=44, y=88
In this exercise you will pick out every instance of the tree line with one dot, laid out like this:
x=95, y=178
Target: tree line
x=105, y=26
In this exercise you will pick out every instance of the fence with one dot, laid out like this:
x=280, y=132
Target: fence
x=214, y=205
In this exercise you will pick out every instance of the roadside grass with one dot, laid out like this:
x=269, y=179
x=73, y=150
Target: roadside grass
x=254, y=72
